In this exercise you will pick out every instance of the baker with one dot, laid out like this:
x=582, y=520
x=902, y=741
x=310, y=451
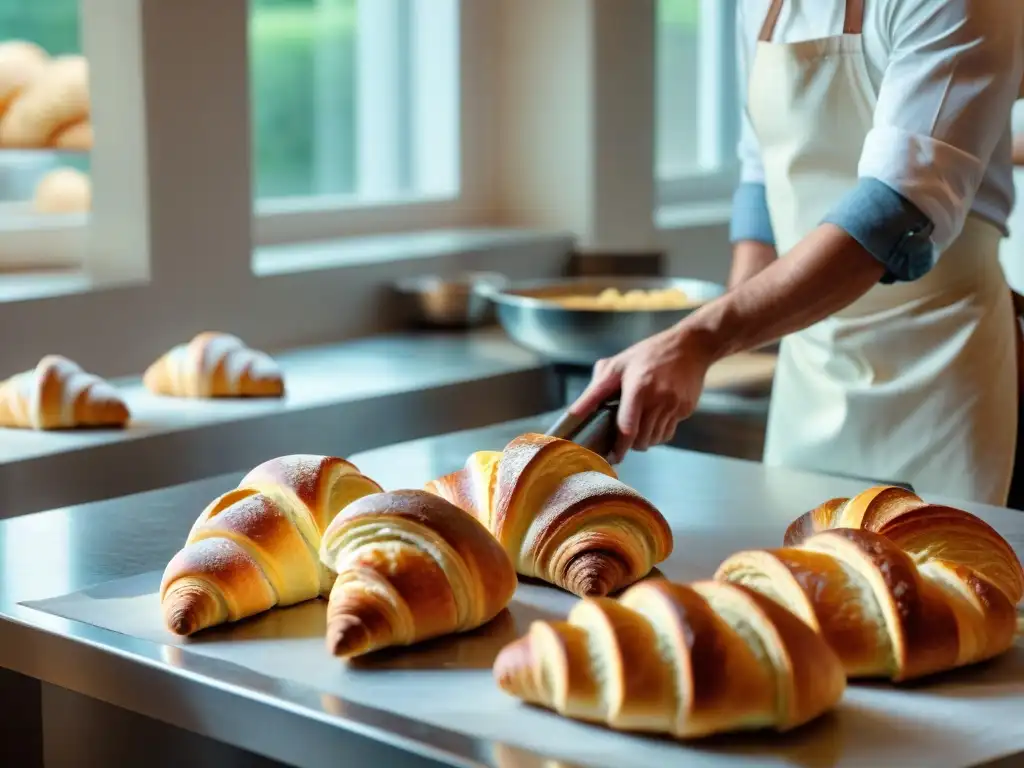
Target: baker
x=877, y=162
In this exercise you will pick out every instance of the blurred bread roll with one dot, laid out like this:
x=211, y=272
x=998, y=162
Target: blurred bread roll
x=56, y=99
x=20, y=63
x=64, y=190
x=77, y=137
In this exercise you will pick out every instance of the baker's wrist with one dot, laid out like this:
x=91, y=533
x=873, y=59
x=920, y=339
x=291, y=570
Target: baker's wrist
x=700, y=338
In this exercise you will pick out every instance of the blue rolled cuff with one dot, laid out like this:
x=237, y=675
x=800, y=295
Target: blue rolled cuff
x=889, y=227
x=750, y=218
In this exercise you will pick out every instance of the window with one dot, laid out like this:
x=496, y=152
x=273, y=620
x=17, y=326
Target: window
x=44, y=191
x=355, y=105
x=697, y=121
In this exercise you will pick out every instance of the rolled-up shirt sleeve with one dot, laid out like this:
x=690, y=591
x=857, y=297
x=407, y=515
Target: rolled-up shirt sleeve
x=954, y=72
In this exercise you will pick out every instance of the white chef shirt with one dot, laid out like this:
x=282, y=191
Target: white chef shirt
x=946, y=72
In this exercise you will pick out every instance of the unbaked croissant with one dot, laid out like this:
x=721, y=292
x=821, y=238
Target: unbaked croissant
x=898, y=587
x=561, y=513
x=685, y=661
x=58, y=394
x=215, y=365
x=257, y=547
x=411, y=567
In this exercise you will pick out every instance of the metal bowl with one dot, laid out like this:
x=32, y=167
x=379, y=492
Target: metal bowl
x=529, y=315
x=459, y=301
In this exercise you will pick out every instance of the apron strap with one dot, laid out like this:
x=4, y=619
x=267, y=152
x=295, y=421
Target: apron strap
x=768, y=28
x=853, y=24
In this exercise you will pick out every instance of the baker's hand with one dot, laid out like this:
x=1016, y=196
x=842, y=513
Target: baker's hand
x=660, y=380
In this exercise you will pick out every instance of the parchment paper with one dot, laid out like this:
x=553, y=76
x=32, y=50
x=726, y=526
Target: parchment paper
x=957, y=719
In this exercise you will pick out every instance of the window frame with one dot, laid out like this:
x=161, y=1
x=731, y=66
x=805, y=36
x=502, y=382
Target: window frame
x=43, y=242
x=719, y=112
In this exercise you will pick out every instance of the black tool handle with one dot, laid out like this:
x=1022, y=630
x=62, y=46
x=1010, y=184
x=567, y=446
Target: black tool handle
x=596, y=431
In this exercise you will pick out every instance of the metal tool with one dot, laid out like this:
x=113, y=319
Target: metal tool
x=596, y=432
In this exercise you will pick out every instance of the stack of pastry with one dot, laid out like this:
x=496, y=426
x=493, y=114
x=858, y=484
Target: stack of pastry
x=898, y=587
x=215, y=365
x=397, y=568
x=879, y=585
x=58, y=394
x=44, y=101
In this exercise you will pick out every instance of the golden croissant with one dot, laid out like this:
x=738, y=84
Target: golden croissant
x=898, y=587
x=561, y=513
x=679, y=660
x=215, y=365
x=58, y=394
x=411, y=567
x=257, y=547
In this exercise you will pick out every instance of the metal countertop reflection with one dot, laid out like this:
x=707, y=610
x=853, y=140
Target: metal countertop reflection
x=54, y=553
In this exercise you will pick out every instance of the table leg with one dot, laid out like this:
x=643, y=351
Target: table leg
x=21, y=729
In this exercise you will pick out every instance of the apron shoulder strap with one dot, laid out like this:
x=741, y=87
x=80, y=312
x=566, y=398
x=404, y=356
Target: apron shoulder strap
x=853, y=24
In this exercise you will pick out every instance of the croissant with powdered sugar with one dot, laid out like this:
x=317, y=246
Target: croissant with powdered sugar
x=215, y=365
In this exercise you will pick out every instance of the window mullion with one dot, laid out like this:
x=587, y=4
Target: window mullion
x=712, y=84
x=378, y=98
x=330, y=125
x=433, y=99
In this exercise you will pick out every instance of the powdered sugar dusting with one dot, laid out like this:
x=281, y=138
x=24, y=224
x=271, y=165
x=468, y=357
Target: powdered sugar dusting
x=26, y=392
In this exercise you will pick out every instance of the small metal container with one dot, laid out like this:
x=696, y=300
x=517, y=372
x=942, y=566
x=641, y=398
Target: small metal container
x=458, y=301
x=531, y=315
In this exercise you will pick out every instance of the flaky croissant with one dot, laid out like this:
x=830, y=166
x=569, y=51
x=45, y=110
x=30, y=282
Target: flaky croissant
x=58, y=394
x=898, y=587
x=257, y=547
x=215, y=365
x=686, y=661
x=411, y=567
x=561, y=513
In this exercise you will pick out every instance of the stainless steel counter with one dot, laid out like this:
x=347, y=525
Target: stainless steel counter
x=53, y=553
x=341, y=398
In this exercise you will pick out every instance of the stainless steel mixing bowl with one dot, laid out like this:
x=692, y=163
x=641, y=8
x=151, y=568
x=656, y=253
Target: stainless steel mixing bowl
x=448, y=302
x=584, y=336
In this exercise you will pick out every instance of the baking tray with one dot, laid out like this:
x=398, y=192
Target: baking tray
x=957, y=719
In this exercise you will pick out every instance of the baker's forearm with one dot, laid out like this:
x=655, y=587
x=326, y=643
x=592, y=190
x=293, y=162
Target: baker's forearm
x=749, y=257
x=826, y=272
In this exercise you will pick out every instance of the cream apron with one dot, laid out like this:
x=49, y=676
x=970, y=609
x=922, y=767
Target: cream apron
x=914, y=382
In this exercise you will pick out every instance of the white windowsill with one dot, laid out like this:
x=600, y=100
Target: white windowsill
x=270, y=261
x=24, y=286
x=350, y=252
